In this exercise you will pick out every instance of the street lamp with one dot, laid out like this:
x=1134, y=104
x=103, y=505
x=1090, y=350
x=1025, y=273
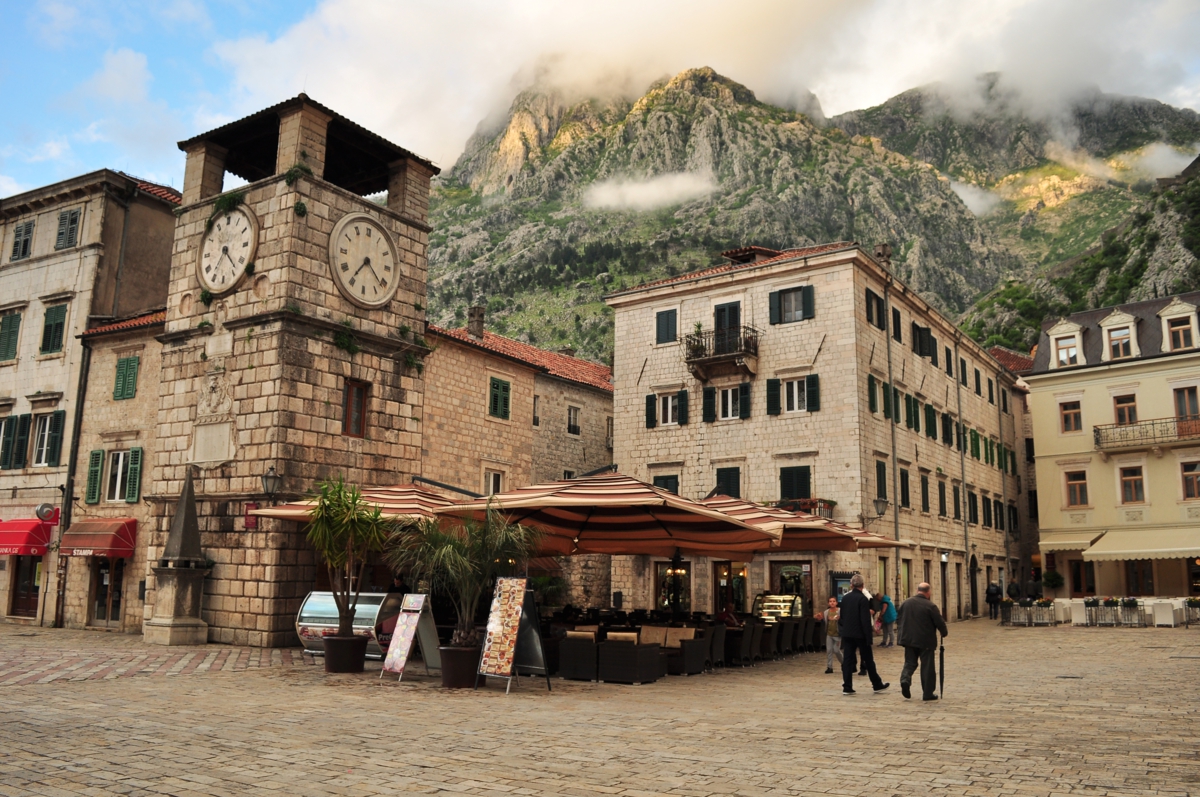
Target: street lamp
x=271, y=482
x=881, y=505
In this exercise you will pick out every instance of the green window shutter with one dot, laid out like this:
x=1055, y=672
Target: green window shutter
x=709, y=405
x=54, y=445
x=881, y=479
x=133, y=488
x=896, y=403
x=651, y=411
x=930, y=422
x=499, y=396
x=887, y=401
x=808, y=302
x=21, y=444
x=131, y=375
x=916, y=415
x=505, y=398
x=683, y=407
x=812, y=392
x=729, y=482
x=95, y=465
x=73, y=228
x=6, y=443
x=975, y=444
x=64, y=220
x=774, y=406
x=52, y=331
x=775, y=312
x=665, y=326
x=119, y=379
x=10, y=330
x=744, y=400
x=795, y=482
x=872, y=399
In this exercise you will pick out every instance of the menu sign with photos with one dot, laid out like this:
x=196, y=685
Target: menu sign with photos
x=504, y=621
x=413, y=624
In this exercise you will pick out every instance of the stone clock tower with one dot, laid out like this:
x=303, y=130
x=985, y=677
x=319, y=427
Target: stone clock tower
x=294, y=340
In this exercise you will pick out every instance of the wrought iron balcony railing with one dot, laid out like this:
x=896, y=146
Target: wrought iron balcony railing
x=813, y=506
x=717, y=343
x=1154, y=432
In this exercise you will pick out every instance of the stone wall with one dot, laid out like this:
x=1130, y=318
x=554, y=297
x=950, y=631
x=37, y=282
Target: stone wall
x=556, y=450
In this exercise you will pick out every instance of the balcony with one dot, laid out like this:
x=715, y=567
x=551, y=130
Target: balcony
x=1153, y=434
x=813, y=506
x=722, y=351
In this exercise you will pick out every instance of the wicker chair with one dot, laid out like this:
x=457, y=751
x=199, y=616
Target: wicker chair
x=810, y=628
x=577, y=656
x=756, y=646
x=716, y=656
x=769, y=647
x=787, y=635
x=685, y=652
x=625, y=662
x=819, y=634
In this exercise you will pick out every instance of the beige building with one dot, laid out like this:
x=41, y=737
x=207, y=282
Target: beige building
x=73, y=255
x=1117, y=439
x=813, y=376
x=1024, y=536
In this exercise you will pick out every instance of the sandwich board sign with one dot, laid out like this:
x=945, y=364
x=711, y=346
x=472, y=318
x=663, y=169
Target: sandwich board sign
x=413, y=624
x=513, y=644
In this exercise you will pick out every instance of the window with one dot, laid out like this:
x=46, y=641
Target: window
x=904, y=497
x=1004, y=399
x=735, y=401
x=957, y=503
x=1120, y=344
x=924, y=493
x=1186, y=404
x=1083, y=578
x=573, y=420
x=1191, y=480
x=22, y=241
x=987, y=512
x=872, y=394
x=941, y=499
x=68, y=229
x=1181, y=333
x=608, y=433
x=1126, y=409
x=10, y=333
x=493, y=482
x=729, y=482
x=568, y=474
x=947, y=429
x=125, y=383
x=876, y=310
x=1029, y=449
x=537, y=414
x=991, y=391
x=1132, y=488
x=666, y=326
x=118, y=476
x=1033, y=506
x=972, y=507
x=949, y=362
x=795, y=482
x=15, y=450
x=881, y=479
x=796, y=394
x=1066, y=350
x=998, y=513
x=1077, y=493
x=668, y=483
x=499, y=397
x=962, y=371
x=52, y=329
x=791, y=305
x=978, y=383
x=354, y=409
x=1072, y=416
x=1139, y=574
x=896, y=333
x=931, y=419
x=44, y=435
x=668, y=409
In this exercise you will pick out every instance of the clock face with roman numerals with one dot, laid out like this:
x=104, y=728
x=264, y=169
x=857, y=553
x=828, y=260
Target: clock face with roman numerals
x=362, y=258
x=228, y=246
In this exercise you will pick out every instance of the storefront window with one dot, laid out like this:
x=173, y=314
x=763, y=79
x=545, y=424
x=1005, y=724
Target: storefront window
x=674, y=581
x=1083, y=578
x=1139, y=575
x=793, y=578
x=729, y=586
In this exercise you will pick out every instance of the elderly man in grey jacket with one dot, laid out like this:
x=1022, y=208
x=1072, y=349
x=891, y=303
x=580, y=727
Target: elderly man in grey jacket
x=920, y=622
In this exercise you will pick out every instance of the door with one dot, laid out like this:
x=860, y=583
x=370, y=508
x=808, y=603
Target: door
x=729, y=586
x=1139, y=577
x=107, y=578
x=727, y=326
x=905, y=579
x=26, y=580
x=945, y=588
x=674, y=586
x=1083, y=578
x=793, y=578
x=974, y=578
x=958, y=601
x=1187, y=412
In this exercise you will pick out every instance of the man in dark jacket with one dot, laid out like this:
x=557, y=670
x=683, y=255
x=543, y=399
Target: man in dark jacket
x=994, y=594
x=1014, y=589
x=920, y=623
x=856, y=630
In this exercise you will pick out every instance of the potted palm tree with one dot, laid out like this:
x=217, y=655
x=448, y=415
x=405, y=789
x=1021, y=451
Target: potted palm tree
x=345, y=530
x=462, y=559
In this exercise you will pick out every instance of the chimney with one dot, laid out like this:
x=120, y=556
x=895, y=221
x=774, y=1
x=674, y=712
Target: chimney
x=567, y=350
x=883, y=253
x=475, y=322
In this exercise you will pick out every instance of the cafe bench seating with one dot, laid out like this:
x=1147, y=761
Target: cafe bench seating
x=770, y=641
x=810, y=629
x=686, y=652
x=716, y=655
x=819, y=631
x=756, y=632
x=577, y=655
x=624, y=660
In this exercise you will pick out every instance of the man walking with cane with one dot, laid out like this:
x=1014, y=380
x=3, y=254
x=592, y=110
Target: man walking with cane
x=856, y=630
x=920, y=623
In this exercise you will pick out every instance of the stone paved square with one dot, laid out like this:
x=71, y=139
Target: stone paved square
x=1029, y=711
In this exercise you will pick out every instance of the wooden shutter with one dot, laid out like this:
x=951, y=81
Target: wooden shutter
x=915, y=330
x=930, y=422
x=505, y=397
x=665, y=323
x=908, y=411
x=131, y=375
x=73, y=228
x=887, y=401
x=20, y=451
x=133, y=487
x=58, y=420
x=10, y=329
x=870, y=306
x=52, y=331
x=119, y=379
x=774, y=406
x=6, y=444
x=975, y=444
x=880, y=479
x=708, y=409
x=998, y=513
x=947, y=429
x=808, y=302
x=64, y=220
x=775, y=312
x=744, y=400
x=95, y=466
x=896, y=404
x=916, y=414
x=795, y=482
x=651, y=411
x=933, y=351
x=872, y=399
x=493, y=397
x=812, y=393
x=729, y=482
x=683, y=407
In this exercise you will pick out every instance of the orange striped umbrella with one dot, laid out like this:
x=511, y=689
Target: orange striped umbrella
x=397, y=503
x=798, y=531
x=616, y=514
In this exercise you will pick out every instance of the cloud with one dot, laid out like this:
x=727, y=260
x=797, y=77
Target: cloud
x=1149, y=162
x=124, y=78
x=52, y=150
x=9, y=186
x=979, y=201
x=649, y=194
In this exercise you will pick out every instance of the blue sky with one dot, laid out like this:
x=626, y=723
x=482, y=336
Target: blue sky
x=118, y=84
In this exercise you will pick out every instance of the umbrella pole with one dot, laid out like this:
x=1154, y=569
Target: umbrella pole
x=942, y=669
x=676, y=578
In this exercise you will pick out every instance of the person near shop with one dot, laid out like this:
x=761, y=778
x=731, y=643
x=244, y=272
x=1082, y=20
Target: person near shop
x=856, y=627
x=399, y=585
x=920, y=623
x=833, y=644
x=1014, y=589
x=729, y=617
x=888, y=617
x=993, y=600
x=1033, y=588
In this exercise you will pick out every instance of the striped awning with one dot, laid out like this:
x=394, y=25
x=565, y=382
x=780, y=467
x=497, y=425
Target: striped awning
x=616, y=514
x=115, y=538
x=403, y=501
x=798, y=531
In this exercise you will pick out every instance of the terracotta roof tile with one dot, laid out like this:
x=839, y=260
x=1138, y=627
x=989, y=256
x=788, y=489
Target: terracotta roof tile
x=137, y=322
x=154, y=189
x=561, y=365
x=1014, y=361
x=788, y=254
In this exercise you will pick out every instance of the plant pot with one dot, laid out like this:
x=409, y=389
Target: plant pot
x=345, y=653
x=459, y=666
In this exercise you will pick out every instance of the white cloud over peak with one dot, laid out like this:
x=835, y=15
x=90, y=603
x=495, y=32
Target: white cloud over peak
x=124, y=77
x=648, y=194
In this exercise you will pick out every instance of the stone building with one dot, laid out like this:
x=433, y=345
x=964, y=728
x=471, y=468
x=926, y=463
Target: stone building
x=1116, y=424
x=1024, y=534
x=73, y=255
x=815, y=376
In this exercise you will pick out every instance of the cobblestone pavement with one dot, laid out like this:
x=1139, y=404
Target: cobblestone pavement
x=1030, y=711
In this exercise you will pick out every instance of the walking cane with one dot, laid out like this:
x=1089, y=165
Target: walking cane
x=942, y=668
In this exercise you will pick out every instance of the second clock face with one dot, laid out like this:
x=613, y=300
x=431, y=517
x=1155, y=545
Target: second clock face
x=228, y=246
x=363, y=261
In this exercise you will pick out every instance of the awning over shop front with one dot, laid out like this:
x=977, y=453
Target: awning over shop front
x=24, y=537
x=1068, y=540
x=111, y=537
x=1145, y=544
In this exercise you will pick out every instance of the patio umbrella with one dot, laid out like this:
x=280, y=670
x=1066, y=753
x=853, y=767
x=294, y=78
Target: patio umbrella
x=617, y=514
x=397, y=503
x=798, y=531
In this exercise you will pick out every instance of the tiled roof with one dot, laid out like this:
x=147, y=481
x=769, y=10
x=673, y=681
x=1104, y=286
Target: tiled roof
x=552, y=362
x=154, y=189
x=788, y=254
x=1014, y=361
x=137, y=322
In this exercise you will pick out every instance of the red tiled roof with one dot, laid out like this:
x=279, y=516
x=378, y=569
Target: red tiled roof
x=1014, y=361
x=154, y=189
x=553, y=363
x=137, y=322
x=788, y=254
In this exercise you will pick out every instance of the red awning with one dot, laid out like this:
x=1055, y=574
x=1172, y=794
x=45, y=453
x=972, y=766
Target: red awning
x=111, y=537
x=24, y=537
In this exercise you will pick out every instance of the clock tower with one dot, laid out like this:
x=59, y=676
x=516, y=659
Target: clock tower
x=294, y=339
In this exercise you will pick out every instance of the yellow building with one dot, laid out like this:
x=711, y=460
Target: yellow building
x=1116, y=424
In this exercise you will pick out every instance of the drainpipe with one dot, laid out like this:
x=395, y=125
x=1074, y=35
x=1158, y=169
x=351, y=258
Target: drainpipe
x=884, y=252
x=85, y=364
x=1004, y=473
x=962, y=458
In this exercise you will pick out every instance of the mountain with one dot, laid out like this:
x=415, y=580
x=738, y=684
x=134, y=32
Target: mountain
x=566, y=200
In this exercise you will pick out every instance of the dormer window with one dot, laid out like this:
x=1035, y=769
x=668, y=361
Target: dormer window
x=1066, y=345
x=1066, y=350
x=1119, y=343
x=1178, y=326
x=1180, y=330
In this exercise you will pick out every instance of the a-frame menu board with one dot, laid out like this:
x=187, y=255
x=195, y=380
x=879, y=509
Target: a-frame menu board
x=513, y=644
x=414, y=623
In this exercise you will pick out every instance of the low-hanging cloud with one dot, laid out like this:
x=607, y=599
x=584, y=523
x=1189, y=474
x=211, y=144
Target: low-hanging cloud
x=1148, y=163
x=652, y=193
x=979, y=201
